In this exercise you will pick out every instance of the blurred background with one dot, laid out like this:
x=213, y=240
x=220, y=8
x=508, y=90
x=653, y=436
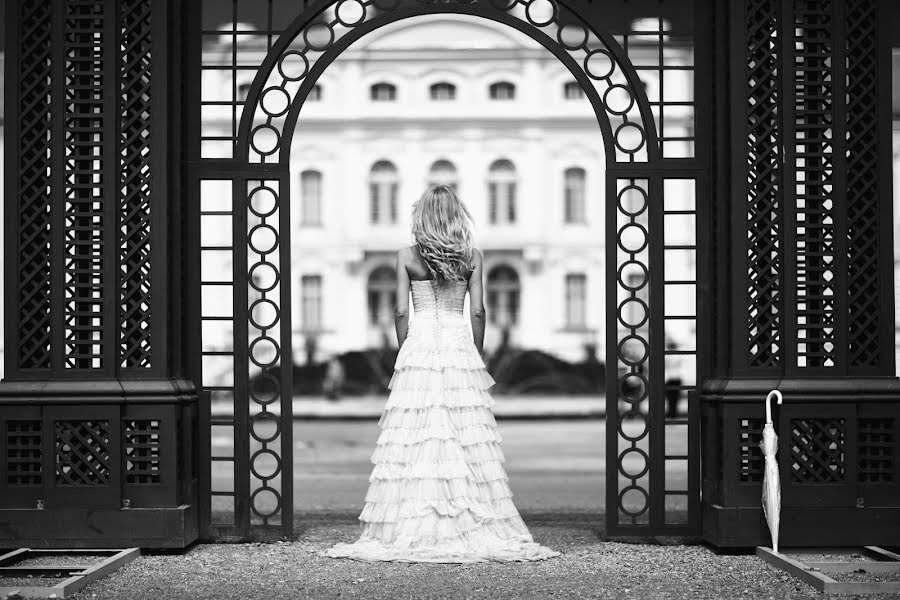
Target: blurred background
x=479, y=106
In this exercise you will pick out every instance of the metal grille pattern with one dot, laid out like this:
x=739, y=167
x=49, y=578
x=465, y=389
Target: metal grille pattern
x=632, y=224
x=266, y=377
x=877, y=450
x=218, y=272
x=34, y=186
x=750, y=455
x=135, y=182
x=677, y=378
x=817, y=450
x=82, y=453
x=763, y=187
x=659, y=55
x=85, y=133
x=232, y=56
x=142, y=451
x=23, y=453
x=862, y=185
x=813, y=183
x=83, y=187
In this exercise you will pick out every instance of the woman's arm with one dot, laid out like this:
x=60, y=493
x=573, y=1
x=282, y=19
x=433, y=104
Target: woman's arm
x=401, y=311
x=476, y=303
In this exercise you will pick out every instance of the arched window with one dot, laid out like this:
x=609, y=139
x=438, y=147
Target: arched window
x=383, y=193
x=315, y=93
x=443, y=90
x=383, y=92
x=381, y=293
x=502, y=192
x=572, y=90
x=502, y=90
x=503, y=291
x=574, y=193
x=310, y=198
x=443, y=172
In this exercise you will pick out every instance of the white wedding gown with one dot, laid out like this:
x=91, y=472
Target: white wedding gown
x=438, y=491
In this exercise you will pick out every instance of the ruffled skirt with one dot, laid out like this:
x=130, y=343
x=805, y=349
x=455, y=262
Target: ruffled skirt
x=438, y=490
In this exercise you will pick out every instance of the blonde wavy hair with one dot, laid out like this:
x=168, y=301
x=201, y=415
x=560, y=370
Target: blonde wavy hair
x=442, y=230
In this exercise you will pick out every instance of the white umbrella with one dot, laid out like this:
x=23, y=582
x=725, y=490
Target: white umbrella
x=771, y=487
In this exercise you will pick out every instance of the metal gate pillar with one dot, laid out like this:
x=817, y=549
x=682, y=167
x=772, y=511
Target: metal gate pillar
x=97, y=428
x=804, y=279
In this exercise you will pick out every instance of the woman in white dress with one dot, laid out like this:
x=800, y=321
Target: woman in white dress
x=438, y=491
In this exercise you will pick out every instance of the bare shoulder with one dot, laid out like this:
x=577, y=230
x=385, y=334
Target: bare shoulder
x=477, y=258
x=405, y=255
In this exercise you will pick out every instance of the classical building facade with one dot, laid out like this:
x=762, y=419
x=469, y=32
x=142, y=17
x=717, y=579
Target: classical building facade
x=456, y=100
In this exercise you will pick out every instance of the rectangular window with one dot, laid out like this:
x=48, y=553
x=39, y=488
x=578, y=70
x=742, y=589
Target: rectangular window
x=392, y=192
x=492, y=203
x=573, y=91
x=492, y=306
x=574, y=196
x=502, y=202
x=311, y=302
x=576, y=293
x=374, y=213
x=311, y=198
x=383, y=203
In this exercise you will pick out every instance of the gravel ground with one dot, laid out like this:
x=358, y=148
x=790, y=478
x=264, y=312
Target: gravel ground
x=589, y=568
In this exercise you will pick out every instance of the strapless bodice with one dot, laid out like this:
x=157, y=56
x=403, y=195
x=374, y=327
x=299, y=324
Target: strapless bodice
x=434, y=298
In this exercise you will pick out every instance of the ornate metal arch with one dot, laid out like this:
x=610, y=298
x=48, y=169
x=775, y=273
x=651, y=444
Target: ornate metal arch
x=309, y=45
x=637, y=176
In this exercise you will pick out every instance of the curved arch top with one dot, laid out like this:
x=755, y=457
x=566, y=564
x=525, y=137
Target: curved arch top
x=308, y=46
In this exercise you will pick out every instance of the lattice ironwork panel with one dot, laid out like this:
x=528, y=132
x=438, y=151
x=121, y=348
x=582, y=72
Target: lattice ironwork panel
x=813, y=183
x=218, y=332
x=264, y=314
x=862, y=185
x=83, y=127
x=750, y=456
x=135, y=183
x=818, y=450
x=877, y=450
x=664, y=60
x=679, y=352
x=142, y=451
x=34, y=185
x=23, y=453
x=82, y=455
x=764, y=325
x=232, y=54
x=632, y=357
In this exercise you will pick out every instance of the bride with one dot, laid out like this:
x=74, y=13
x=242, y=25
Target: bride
x=438, y=491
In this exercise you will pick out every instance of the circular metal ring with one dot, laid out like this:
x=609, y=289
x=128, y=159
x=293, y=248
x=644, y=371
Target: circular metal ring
x=264, y=339
x=264, y=302
x=264, y=452
x=258, y=228
x=256, y=510
x=262, y=417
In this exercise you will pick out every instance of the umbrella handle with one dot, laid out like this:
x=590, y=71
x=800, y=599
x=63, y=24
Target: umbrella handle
x=777, y=395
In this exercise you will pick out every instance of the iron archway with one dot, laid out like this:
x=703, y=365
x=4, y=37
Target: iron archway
x=636, y=173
